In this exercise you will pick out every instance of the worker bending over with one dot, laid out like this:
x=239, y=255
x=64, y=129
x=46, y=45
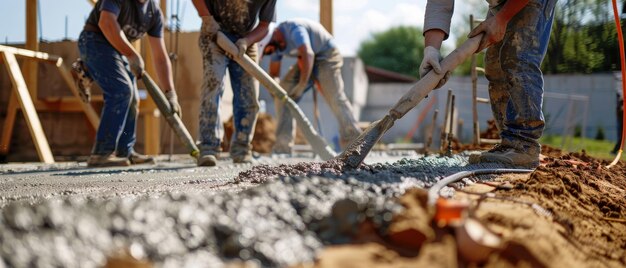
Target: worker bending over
x=244, y=22
x=113, y=63
x=516, y=35
x=319, y=61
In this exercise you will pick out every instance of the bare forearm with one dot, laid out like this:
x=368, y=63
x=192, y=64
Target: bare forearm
x=162, y=64
x=201, y=7
x=434, y=38
x=257, y=33
x=510, y=9
x=306, y=66
x=114, y=34
x=275, y=68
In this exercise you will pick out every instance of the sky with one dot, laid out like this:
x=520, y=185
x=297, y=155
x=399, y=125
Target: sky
x=354, y=20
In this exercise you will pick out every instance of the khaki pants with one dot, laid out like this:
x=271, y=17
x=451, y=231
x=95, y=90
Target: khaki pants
x=327, y=72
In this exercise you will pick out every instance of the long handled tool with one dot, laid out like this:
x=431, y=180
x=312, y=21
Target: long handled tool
x=357, y=151
x=318, y=143
x=172, y=119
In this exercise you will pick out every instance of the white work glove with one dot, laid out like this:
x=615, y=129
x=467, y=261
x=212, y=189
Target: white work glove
x=173, y=100
x=209, y=24
x=431, y=60
x=136, y=65
x=242, y=45
x=297, y=91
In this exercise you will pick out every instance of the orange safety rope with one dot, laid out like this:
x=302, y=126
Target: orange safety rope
x=620, y=40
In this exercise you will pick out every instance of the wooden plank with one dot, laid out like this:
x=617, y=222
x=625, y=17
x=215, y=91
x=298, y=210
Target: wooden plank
x=91, y=114
x=42, y=56
x=152, y=126
x=32, y=43
x=26, y=103
x=326, y=14
x=9, y=123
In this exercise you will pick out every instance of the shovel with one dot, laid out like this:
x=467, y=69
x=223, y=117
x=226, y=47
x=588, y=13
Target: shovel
x=172, y=119
x=318, y=143
x=359, y=148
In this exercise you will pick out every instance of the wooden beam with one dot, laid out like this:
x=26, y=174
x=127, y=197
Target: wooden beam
x=9, y=123
x=32, y=43
x=326, y=14
x=28, y=109
x=152, y=122
x=41, y=56
x=163, y=6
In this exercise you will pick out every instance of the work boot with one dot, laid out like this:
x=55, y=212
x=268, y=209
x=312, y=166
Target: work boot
x=83, y=80
x=136, y=158
x=243, y=159
x=506, y=155
x=208, y=160
x=279, y=148
x=107, y=161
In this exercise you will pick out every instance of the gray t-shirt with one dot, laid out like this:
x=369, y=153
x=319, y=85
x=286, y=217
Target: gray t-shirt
x=134, y=18
x=240, y=16
x=299, y=32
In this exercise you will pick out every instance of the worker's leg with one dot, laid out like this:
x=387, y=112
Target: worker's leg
x=128, y=137
x=214, y=64
x=245, y=108
x=108, y=68
x=285, y=131
x=516, y=81
x=329, y=76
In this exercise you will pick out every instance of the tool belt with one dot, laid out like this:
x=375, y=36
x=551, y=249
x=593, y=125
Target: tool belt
x=91, y=28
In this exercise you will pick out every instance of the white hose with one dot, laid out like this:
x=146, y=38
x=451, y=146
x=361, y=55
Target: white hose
x=433, y=192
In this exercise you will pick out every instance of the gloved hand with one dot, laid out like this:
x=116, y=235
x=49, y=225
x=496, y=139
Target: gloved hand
x=242, y=45
x=209, y=24
x=431, y=60
x=494, y=28
x=136, y=65
x=173, y=100
x=297, y=91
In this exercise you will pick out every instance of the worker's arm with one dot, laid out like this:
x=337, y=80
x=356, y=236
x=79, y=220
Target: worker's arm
x=305, y=62
x=495, y=27
x=252, y=37
x=162, y=63
x=163, y=68
x=201, y=7
x=274, y=69
x=113, y=32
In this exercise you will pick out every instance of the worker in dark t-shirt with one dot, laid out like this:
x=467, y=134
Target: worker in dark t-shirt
x=111, y=61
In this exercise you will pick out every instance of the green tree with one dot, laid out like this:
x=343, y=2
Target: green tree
x=399, y=49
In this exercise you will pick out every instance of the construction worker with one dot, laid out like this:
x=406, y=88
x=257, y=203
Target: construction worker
x=111, y=60
x=516, y=35
x=319, y=61
x=244, y=22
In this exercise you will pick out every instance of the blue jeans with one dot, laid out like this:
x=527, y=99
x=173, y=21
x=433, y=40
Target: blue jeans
x=515, y=78
x=111, y=71
x=245, y=97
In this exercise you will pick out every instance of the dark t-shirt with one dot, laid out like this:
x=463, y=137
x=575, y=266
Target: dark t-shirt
x=134, y=18
x=240, y=16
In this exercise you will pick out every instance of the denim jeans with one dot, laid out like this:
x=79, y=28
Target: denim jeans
x=111, y=71
x=328, y=73
x=515, y=78
x=245, y=97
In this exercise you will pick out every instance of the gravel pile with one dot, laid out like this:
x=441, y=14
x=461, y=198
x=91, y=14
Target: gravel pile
x=281, y=222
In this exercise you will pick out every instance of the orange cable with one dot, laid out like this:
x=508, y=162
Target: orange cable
x=620, y=40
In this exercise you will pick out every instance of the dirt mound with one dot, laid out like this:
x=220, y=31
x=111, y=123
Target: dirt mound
x=264, y=134
x=568, y=213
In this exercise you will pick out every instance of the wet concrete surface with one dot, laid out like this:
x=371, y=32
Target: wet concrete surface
x=179, y=215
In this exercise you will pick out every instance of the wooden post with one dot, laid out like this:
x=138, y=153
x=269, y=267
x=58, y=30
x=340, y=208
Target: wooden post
x=326, y=14
x=32, y=43
x=476, y=124
x=26, y=103
x=9, y=123
x=163, y=6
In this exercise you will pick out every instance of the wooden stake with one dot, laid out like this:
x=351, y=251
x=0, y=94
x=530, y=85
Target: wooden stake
x=9, y=123
x=26, y=103
x=326, y=14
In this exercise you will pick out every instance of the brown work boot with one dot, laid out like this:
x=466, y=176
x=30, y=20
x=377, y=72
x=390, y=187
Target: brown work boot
x=107, y=161
x=506, y=155
x=243, y=159
x=137, y=158
x=83, y=81
x=208, y=160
